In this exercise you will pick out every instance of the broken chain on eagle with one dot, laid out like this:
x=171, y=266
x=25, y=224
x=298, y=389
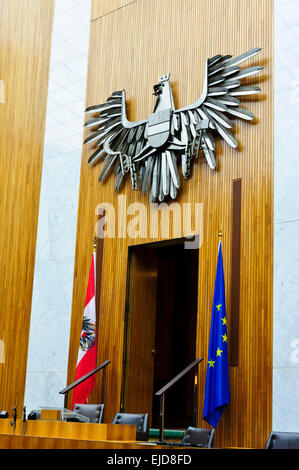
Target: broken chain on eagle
x=151, y=150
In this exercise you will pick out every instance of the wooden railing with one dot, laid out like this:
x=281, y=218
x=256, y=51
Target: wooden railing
x=67, y=389
x=163, y=390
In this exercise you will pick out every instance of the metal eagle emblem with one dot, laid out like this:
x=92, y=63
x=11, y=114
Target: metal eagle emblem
x=151, y=151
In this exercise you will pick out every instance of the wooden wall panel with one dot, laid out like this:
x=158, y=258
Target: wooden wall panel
x=129, y=48
x=25, y=39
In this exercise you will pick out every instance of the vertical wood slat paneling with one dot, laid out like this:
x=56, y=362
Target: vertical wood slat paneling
x=129, y=49
x=25, y=39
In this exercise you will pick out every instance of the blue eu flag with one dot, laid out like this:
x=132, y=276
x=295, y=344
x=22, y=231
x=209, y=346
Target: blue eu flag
x=217, y=383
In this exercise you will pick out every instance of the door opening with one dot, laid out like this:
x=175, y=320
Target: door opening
x=160, y=330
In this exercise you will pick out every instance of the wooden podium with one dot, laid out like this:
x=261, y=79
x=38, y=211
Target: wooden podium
x=60, y=434
x=63, y=430
x=44, y=434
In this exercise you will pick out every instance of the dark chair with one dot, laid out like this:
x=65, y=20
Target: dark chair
x=283, y=440
x=140, y=420
x=199, y=437
x=95, y=413
x=34, y=415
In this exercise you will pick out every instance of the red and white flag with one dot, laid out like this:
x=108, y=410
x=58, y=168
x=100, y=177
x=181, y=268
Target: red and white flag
x=88, y=344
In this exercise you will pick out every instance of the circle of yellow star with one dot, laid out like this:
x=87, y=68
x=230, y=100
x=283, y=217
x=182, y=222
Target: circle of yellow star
x=218, y=307
x=224, y=338
x=223, y=321
x=211, y=363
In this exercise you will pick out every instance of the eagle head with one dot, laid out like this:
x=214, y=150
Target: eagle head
x=162, y=80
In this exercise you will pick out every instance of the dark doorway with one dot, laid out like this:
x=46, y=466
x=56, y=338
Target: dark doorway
x=161, y=323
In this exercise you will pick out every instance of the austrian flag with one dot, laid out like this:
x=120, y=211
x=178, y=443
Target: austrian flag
x=88, y=345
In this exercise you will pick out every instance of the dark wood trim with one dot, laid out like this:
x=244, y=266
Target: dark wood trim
x=235, y=271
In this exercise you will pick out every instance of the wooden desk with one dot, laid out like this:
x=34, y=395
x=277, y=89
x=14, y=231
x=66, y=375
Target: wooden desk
x=28, y=442
x=61, y=435
x=64, y=430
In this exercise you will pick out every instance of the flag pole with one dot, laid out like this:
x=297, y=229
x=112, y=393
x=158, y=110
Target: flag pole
x=220, y=234
x=95, y=244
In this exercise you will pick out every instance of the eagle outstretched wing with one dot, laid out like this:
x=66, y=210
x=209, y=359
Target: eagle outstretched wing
x=218, y=102
x=114, y=137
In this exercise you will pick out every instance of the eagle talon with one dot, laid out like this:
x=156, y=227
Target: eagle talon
x=124, y=163
x=132, y=169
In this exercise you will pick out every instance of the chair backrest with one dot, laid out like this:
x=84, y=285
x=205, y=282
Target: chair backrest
x=34, y=415
x=140, y=420
x=199, y=436
x=95, y=413
x=283, y=440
